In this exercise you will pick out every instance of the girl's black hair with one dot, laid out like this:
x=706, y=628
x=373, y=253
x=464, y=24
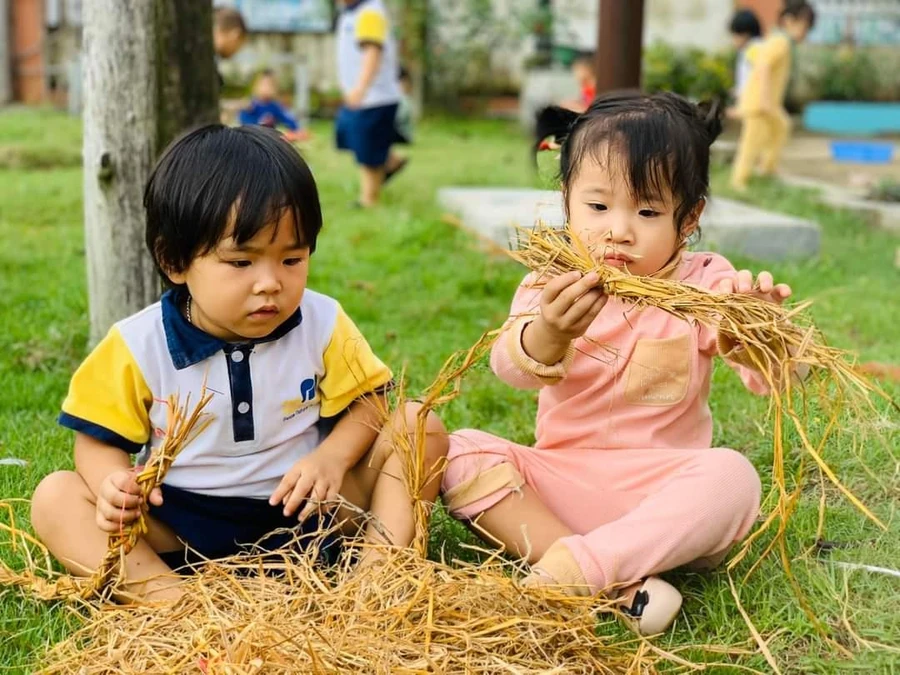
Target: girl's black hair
x=663, y=140
x=744, y=22
x=216, y=176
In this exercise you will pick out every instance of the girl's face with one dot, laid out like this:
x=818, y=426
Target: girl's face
x=637, y=236
x=241, y=292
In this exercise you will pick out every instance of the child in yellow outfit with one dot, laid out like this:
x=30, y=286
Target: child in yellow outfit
x=766, y=124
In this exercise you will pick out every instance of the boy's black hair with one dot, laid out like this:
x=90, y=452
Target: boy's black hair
x=218, y=179
x=663, y=138
x=799, y=9
x=585, y=58
x=228, y=18
x=745, y=22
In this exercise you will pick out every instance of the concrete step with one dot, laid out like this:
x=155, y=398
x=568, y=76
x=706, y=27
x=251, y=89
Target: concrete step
x=727, y=226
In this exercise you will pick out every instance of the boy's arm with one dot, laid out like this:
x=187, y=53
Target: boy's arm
x=355, y=432
x=285, y=118
x=95, y=460
x=370, y=64
x=371, y=34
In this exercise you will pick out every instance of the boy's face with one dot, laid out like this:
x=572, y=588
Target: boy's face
x=227, y=43
x=245, y=292
x=584, y=75
x=796, y=27
x=265, y=88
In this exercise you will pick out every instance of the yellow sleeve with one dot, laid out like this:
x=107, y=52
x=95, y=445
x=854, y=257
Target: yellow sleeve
x=771, y=51
x=371, y=26
x=351, y=368
x=108, y=397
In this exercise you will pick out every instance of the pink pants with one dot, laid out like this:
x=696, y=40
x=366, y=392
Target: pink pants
x=634, y=512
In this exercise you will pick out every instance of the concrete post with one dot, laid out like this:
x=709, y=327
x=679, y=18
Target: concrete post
x=5, y=53
x=620, y=35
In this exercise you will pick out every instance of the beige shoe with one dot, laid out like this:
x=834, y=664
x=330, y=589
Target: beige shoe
x=651, y=606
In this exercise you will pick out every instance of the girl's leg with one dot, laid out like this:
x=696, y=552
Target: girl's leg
x=63, y=516
x=780, y=131
x=753, y=140
x=376, y=484
x=695, y=504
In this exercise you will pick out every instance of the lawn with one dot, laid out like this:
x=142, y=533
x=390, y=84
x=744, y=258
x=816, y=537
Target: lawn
x=421, y=289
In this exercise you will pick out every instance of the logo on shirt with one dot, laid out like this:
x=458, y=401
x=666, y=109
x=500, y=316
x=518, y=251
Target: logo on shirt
x=309, y=395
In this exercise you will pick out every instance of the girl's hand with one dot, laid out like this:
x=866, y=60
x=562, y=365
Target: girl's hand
x=765, y=287
x=317, y=478
x=119, y=500
x=569, y=304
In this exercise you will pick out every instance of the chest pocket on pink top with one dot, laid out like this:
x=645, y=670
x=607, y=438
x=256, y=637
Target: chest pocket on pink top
x=659, y=371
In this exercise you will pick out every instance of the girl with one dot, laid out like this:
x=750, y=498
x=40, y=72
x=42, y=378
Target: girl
x=622, y=483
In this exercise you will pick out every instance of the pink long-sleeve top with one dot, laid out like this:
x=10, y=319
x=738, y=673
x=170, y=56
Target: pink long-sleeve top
x=636, y=379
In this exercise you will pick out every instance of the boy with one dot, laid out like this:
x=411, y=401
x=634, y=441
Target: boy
x=229, y=35
x=265, y=110
x=745, y=32
x=297, y=389
x=586, y=78
x=766, y=124
x=368, y=68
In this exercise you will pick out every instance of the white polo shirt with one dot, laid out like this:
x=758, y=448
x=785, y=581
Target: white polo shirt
x=269, y=393
x=361, y=23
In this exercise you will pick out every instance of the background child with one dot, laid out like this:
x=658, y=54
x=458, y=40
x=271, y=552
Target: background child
x=294, y=415
x=766, y=124
x=229, y=33
x=583, y=71
x=622, y=483
x=368, y=66
x=266, y=110
x=745, y=32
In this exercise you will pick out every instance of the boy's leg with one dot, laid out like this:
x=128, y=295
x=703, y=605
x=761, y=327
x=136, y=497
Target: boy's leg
x=754, y=137
x=376, y=484
x=63, y=514
x=371, y=180
x=779, y=133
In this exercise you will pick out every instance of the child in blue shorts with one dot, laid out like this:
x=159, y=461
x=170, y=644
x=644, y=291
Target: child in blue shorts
x=368, y=67
x=233, y=217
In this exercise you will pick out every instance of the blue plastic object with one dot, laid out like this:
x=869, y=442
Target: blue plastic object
x=862, y=152
x=852, y=118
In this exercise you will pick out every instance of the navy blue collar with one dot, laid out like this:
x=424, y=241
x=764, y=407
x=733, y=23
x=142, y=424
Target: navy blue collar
x=189, y=345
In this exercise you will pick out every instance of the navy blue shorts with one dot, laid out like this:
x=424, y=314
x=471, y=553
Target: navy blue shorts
x=215, y=527
x=368, y=132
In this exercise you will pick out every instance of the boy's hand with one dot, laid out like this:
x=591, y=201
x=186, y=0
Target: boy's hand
x=765, y=287
x=316, y=478
x=354, y=98
x=569, y=304
x=119, y=502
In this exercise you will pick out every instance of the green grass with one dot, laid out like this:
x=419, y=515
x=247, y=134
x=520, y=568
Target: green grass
x=421, y=289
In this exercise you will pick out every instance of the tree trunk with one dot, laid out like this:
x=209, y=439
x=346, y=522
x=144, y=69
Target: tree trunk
x=148, y=74
x=188, y=87
x=620, y=34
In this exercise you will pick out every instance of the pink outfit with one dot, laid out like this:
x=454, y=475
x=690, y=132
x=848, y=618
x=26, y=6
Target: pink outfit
x=623, y=435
